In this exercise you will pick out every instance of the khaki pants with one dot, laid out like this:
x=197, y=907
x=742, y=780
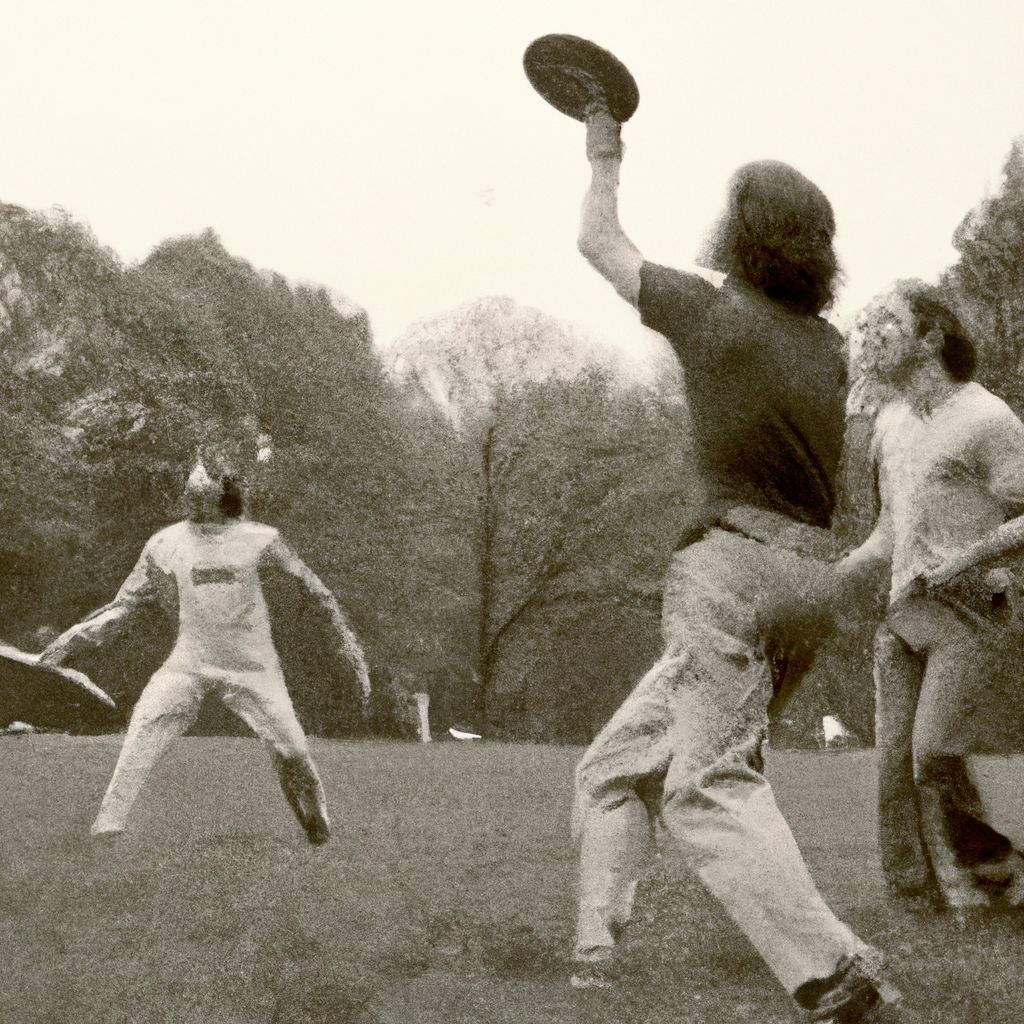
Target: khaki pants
x=168, y=707
x=930, y=700
x=686, y=744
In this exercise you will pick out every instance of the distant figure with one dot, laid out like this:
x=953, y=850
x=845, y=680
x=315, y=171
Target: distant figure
x=206, y=571
x=748, y=593
x=949, y=466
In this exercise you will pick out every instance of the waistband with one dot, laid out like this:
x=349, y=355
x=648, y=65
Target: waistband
x=779, y=531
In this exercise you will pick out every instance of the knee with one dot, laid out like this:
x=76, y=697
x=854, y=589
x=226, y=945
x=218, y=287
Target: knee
x=290, y=750
x=595, y=791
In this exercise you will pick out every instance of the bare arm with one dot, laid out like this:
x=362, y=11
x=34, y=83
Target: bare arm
x=601, y=240
x=871, y=557
x=1007, y=539
x=282, y=557
x=137, y=590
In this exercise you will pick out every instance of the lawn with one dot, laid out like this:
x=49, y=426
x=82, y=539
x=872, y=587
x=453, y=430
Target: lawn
x=445, y=896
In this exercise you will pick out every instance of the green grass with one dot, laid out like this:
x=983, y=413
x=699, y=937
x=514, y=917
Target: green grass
x=445, y=896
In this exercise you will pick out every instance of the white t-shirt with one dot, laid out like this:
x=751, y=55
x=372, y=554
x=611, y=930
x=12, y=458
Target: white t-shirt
x=948, y=477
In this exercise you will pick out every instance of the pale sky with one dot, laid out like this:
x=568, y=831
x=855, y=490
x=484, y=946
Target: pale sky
x=396, y=153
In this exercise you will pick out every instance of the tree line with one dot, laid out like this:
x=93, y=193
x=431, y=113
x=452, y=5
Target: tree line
x=493, y=506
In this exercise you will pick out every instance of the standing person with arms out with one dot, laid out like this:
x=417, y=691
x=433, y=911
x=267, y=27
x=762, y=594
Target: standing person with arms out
x=746, y=594
x=206, y=570
x=949, y=465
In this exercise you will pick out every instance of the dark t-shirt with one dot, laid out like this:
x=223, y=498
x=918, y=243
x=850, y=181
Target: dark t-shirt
x=766, y=390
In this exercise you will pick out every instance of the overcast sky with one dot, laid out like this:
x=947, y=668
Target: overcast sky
x=395, y=151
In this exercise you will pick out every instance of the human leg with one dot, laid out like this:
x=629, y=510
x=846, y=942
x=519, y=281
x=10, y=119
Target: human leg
x=962, y=845
x=718, y=805
x=264, y=705
x=898, y=672
x=166, y=709
x=613, y=809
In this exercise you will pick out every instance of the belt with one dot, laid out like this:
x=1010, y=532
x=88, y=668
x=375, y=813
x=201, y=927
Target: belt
x=779, y=531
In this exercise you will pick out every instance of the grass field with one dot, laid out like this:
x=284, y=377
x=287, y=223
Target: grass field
x=446, y=896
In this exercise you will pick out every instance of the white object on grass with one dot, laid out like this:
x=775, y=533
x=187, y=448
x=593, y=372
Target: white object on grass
x=461, y=734
x=17, y=727
x=834, y=731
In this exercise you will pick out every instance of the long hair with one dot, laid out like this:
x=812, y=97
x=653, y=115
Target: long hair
x=958, y=354
x=232, y=502
x=776, y=234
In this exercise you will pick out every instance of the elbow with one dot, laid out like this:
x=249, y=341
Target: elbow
x=589, y=248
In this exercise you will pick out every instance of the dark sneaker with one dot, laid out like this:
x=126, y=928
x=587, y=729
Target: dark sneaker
x=318, y=831
x=855, y=994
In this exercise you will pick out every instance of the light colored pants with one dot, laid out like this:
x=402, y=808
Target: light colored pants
x=168, y=707
x=687, y=744
x=930, y=697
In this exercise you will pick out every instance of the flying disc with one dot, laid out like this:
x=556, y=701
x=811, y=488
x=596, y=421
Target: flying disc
x=571, y=73
x=30, y=690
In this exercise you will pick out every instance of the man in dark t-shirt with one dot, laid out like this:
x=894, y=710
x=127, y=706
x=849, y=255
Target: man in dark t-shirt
x=766, y=389
x=746, y=595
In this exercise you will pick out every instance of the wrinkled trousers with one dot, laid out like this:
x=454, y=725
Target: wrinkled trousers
x=687, y=745
x=168, y=707
x=930, y=711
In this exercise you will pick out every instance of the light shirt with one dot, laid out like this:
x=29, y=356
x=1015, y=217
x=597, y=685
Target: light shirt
x=948, y=477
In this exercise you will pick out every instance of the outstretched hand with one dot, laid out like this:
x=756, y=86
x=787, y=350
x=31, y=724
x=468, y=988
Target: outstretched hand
x=997, y=580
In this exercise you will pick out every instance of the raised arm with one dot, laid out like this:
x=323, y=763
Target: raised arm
x=140, y=588
x=601, y=240
x=279, y=555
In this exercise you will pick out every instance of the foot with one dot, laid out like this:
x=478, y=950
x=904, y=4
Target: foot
x=1005, y=877
x=591, y=976
x=917, y=900
x=595, y=971
x=855, y=994
x=318, y=830
x=105, y=833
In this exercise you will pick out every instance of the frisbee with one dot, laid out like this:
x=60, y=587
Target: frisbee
x=31, y=691
x=570, y=73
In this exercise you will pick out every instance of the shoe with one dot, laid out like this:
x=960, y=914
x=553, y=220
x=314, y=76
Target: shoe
x=591, y=976
x=595, y=972
x=318, y=831
x=881, y=1013
x=105, y=836
x=1005, y=877
x=854, y=994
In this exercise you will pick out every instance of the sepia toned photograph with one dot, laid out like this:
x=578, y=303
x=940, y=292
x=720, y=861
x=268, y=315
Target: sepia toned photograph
x=514, y=513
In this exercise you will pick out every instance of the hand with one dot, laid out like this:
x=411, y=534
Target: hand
x=999, y=580
x=603, y=134
x=52, y=655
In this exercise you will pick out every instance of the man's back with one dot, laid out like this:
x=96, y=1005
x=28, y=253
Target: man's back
x=766, y=389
